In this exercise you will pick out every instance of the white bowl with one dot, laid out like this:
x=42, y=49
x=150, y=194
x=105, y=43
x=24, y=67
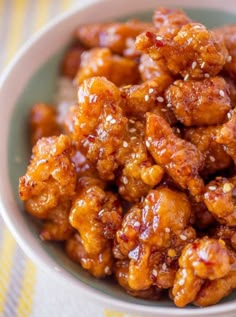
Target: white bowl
x=30, y=78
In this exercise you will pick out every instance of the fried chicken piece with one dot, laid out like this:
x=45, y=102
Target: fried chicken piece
x=98, y=265
x=71, y=61
x=204, y=259
x=113, y=35
x=194, y=52
x=138, y=171
x=96, y=215
x=97, y=124
x=148, y=96
x=198, y=103
x=219, y=198
x=204, y=138
x=100, y=62
x=180, y=159
x=152, y=235
x=122, y=275
x=56, y=224
x=227, y=34
x=43, y=122
x=50, y=177
x=213, y=291
x=226, y=135
x=169, y=22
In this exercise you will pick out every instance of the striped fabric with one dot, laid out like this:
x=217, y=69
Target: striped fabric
x=24, y=289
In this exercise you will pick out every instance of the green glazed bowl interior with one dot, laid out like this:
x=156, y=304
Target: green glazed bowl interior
x=41, y=88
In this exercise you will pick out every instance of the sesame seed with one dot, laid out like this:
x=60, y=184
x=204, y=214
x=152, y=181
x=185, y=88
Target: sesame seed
x=183, y=237
x=125, y=144
x=212, y=187
x=125, y=180
x=211, y=158
x=146, y=97
x=164, y=266
x=197, y=27
x=133, y=138
x=221, y=92
x=194, y=64
x=160, y=99
x=131, y=121
x=142, y=199
x=109, y=118
x=147, y=143
x=181, y=282
x=203, y=64
x=229, y=59
x=113, y=121
x=163, y=109
x=132, y=130
x=107, y=270
x=151, y=90
x=167, y=230
x=159, y=38
x=137, y=224
x=178, y=130
x=154, y=272
x=207, y=75
x=229, y=115
x=186, y=77
x=169, y=105
x=227, y=188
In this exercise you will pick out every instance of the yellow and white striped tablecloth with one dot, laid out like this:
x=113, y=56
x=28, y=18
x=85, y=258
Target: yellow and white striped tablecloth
x=24, y=289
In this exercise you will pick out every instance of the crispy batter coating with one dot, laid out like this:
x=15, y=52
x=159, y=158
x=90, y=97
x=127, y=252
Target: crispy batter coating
x=96, y=215
x=98, y=266
x=204, y=138
x=227, y=34
x=219, y=198
x=168, y=21
x=147, y=97
x=97, y=124
x=150, y=69
x=56, y=225
x=203, y=102
x=43, y=122
x=204, y=259
x=194, y=52
x=50, y=177
x=181, y=159
x=228, y=234
x=114, y=35
x=122, y=275
x=152, y=236
x=226, y=135
x=83, y=166
x=71, y=61
x=138, y=172
x=213, y=291
x=100, y=62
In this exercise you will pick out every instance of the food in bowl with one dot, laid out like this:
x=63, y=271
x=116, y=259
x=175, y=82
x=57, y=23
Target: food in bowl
x=136, y=176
